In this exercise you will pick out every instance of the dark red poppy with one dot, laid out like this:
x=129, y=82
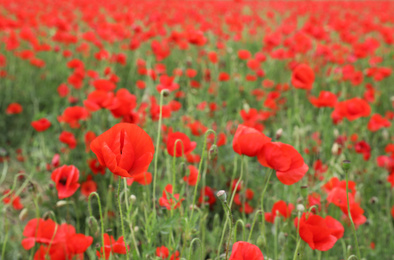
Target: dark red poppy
x=245, y=251
x=248, y=141
x=287, y=161
x=41, y=124
x=66, y=179
x=183, y=145
x=125, y=149
x=303, y=77
x=88, y=186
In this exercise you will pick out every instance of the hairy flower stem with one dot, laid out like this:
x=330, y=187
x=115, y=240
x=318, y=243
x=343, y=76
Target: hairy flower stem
x=229, y=217
x=350, y=216
x=298, y=237
x=262, y=204
x=101, y=216
x=157, y=150
x=121, y=218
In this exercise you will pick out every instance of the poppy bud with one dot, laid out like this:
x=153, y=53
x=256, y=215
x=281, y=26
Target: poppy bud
x=61, y=203
x=300, y=208
x=374, y=200
x=279, y=133
x=246, y=107
x=346, y=165
x=261, y=241
x=93, y=224
x=136, y=228
x=222, y=195
x=47, y=215
x=304, y=191
x=335, y=149
x=213, y=152
x=133, y=198
x=166, y=93
x=23, y=214
x=385, y=134
x=3, y=152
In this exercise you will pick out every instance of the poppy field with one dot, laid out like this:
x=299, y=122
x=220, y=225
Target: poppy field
x=241, y=130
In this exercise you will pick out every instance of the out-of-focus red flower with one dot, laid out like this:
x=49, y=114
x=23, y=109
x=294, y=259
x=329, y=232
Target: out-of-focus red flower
x=12, y=198
x=377, y=122
x=280, y=208
x=193, y=176
x=170, y=200
x=41, y=124
x=142, y=178
x=14, y=108
x=245, y=251
x=325, y=99
x=112, y=246
x=351, y=109
x=66, y=179
x=162, y=252
x=88, y=186
x=303, y=77
x=181, y=147
x=68, y=138
x=248, y=141
x=207, y=196
x=125, y=149
x=72, y=116
x=287, y=161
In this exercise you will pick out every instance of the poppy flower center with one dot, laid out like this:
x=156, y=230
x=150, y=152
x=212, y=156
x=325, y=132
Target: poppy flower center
x=63, y=181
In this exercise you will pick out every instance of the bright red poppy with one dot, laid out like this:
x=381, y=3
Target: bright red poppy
x=170, y=200
x=41, y=124
x=245, y=251
x=303, y=77
x=377, y=122
x=112, y=246
x=279, y=209
x=287, y=161
x=14, y=108
x=248, y=141
x=125, y=149
x=66, y=179
x=183, y=145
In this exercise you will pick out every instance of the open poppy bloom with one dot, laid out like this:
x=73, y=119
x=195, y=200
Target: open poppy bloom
x=325, y=99
x=288, y=163
x=14, y=108
x=170, y=200
x=41, y=124
x=16, y=200
x=68, y=138
x=248, y=141
x=193, y=176
x=320, y=233
x=245, y=251
x=377, y=122
x=183, y=146
x=303, y=77
x=280, y=209
x=66, y=179
x=125, y=149
x=112, y=246
x=351, y=109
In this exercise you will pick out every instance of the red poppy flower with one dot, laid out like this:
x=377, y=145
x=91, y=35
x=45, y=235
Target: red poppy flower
x=377, y=122
x=183, y=146
x=66, y=179
x=207, y=196
x=162, y=252
x=112, y=246
x=125, y=149
x=142, y=178
x=88, y=186
x=244, y=54
x=72, y=116
x=170, y=201
x=303, y=77
x=248, y=141
x=288, y=163
x=68, y=138
x=279, y=209
x=41, y=124
x=14, y=108
x=325, y=99
x=16, y=200
x=245, y=251
x=320, y=233
x=193, y=176
x=351, y=109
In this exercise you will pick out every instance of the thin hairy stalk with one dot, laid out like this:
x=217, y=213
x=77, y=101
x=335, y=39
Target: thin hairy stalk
x=101, y=216
x=121, y=218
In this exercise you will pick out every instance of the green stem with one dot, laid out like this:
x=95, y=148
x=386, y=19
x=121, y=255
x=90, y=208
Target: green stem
x=298, y=237
x=157, y=150
x=262, y=203
x=121, y=218
x=101, y=216
x=229, y=216
x=254, y=222
x=191, y=248
x=276, y=220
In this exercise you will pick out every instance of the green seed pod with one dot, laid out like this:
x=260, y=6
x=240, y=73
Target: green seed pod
x=93, y=225
x=261, y=242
